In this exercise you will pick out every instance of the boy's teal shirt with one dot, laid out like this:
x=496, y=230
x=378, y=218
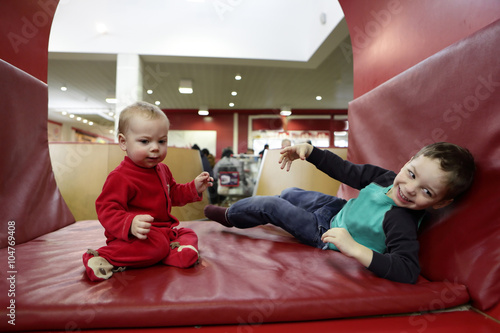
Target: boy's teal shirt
x=362, y=217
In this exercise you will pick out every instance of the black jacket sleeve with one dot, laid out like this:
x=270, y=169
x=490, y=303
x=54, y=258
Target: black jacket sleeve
x=400, y=261
x=356, y=176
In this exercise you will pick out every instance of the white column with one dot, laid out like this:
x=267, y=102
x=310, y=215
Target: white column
x=235, y=133
x=128, y=82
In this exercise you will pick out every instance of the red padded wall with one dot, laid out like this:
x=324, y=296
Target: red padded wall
x=30, y=200
x=452, y=96
x=389, y=37
x=24, y=34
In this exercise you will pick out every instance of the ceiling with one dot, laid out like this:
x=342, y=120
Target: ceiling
x=271, y=79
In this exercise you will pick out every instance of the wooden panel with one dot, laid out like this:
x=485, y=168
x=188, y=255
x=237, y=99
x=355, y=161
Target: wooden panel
x=272, y=180
x=185, y=165
x=80, y=170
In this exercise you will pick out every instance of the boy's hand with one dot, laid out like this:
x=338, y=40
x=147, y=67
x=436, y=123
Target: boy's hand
x=141, y=225
x=289, y=154
x=343, y=240
x=203, y=181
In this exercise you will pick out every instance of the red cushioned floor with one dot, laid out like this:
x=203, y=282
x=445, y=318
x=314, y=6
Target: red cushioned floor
x=454, y=322
x=245, y=276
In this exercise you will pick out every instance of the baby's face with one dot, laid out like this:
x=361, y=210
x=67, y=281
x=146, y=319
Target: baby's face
x=420, y=184
x=146, y=141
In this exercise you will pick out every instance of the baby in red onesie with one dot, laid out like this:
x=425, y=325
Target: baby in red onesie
x=136, y=200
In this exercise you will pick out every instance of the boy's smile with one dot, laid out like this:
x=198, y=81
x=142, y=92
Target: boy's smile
x=420, y=184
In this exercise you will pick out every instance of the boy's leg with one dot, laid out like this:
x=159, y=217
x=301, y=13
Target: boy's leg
x=304, y=214
x=311, y=200
x=184, y=249
x=217, y=214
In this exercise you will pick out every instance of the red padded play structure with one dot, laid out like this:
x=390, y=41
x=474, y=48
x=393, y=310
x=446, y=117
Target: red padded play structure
x=261, y=279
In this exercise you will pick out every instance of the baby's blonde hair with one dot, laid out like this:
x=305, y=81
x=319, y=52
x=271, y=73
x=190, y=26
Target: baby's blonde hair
x=143, y=109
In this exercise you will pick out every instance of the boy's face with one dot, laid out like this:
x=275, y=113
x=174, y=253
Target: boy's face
x=420, y=184
x=145, y=141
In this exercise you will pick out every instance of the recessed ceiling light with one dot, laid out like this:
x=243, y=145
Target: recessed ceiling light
x=237, y=77
x=101, y=28
x=157, y=102
x=149, y=91
x=319, y=98
x=231, y=104
x=186, y=87
x=286, y=111
x=91, y=123
x=234, y=93
x=322, y=18
x=64, y=88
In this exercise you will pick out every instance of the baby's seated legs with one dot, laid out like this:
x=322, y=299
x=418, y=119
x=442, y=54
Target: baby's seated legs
x=184, y=249
x=101, y=264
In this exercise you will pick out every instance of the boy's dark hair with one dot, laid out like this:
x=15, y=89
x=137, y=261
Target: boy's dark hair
x=457, y=161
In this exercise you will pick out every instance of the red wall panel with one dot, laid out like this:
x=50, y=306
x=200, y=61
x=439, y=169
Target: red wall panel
x=222, y=122
x=24, y=34
x=190, y=120
x=390, y=36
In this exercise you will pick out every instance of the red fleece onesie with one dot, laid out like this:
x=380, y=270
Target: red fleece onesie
x=131, y=190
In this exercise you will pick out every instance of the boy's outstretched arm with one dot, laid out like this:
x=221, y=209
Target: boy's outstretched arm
x=291, y=153
x=343, y=240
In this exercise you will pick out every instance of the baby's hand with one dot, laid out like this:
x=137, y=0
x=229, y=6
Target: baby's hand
x=203, y=181
x=141, y=225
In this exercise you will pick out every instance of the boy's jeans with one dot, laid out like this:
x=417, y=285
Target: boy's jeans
x=304, y=214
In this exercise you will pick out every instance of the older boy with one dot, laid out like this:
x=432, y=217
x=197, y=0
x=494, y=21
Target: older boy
x=136, y=201
x=379, y=227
